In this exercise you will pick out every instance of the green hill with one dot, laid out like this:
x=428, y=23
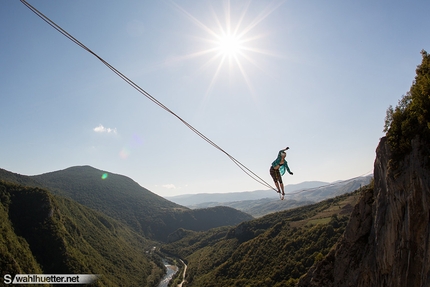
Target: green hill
x=274, y=250
x=122, y=198
x=43, y=233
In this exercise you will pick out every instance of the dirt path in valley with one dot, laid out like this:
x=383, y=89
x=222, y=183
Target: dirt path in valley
x=183, y=275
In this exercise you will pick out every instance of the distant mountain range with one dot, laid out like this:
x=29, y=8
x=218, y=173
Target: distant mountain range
x=191, y=200
x=262, y=202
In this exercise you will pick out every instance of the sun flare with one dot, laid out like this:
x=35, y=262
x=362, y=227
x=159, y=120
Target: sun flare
x=232, y=43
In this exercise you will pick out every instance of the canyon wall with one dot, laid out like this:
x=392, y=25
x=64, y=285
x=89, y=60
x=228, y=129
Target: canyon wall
x=386, y=242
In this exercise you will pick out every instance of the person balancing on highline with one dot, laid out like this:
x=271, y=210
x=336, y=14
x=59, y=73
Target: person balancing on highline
x=277, y=170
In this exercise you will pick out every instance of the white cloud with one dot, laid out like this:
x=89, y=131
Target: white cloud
x=169, y=186
x=102, y=129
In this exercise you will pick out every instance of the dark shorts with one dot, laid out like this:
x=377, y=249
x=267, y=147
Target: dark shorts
x=276, y=175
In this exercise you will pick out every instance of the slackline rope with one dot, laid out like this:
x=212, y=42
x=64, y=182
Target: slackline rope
x=246, y=170
x=146, y=94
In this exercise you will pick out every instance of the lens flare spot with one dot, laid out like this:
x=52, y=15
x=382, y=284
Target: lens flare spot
x=124, y=153
x=104, y=176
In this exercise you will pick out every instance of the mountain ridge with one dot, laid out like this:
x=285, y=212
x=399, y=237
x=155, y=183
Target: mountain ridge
x=42, y=233
x=122, y=198
x=299, y=196
x=194, y=199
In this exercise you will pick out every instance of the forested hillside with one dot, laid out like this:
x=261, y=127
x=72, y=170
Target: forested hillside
x=122, y=198
x=274, y=250
x=42, y=233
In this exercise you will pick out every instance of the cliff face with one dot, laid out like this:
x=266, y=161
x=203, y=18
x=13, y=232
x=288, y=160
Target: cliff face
x=386, y=242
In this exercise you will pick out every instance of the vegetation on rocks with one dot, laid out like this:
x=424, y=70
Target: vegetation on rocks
x=411, y=117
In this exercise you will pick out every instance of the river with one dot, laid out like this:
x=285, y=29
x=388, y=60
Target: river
x=171, y=270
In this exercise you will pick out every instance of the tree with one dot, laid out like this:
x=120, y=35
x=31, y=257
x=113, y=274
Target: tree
x=411, y=117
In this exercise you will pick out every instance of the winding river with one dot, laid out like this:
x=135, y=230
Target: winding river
x=171, y=270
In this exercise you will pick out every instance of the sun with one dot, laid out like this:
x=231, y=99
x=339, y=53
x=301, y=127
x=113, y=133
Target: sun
x=232, y=42
x=229, y=45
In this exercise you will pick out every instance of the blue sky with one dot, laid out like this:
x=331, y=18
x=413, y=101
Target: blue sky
x=316, y=76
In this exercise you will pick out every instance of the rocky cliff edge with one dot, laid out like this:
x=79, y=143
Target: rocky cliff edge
x=386, y=242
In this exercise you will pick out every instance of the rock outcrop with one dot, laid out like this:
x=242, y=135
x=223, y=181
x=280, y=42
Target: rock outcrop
x=386, y=242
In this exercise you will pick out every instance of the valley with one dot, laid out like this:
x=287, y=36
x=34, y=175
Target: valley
x=274, y=250
x=91, y=221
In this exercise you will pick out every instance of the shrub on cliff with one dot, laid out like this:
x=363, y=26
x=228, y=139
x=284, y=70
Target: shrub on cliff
x=411, y=117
